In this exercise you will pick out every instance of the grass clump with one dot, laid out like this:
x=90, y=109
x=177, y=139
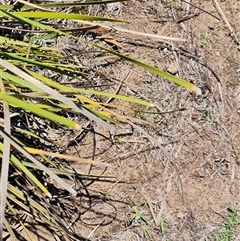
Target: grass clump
x=227, y=233
x=46, y=89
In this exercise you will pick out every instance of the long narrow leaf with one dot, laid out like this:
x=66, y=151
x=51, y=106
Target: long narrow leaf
x=23, y=16
x=80, y=90
x=34, y=160
x=55, y=94
x=61, y=5
x=153, y=70
x=13, y=42
x=38, y=111
x=7, y=76
x=16, y=162
x=66, y=157
x=5, y=159
x=11, y=208
x=10, y=230
x=68, y=173
x=63, y=16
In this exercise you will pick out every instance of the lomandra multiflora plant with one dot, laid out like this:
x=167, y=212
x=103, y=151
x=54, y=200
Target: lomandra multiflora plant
x=36, y=103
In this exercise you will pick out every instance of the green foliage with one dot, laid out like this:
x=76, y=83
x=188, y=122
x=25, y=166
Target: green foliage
x=138, y=215
x=233, y=221
x=204, y=39
x=147, y=232
x=41, y=98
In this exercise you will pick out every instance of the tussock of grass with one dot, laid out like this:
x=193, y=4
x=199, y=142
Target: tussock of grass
x=37, y=97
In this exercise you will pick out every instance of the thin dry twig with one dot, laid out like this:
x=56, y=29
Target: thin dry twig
x=94, y=230
x=225, y=20
x=35, y=6
x=151, y=210
x=87, y=23
x=187, y=2
x=168, y=155
x=221, y=13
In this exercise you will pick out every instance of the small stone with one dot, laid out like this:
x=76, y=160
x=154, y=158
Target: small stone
x=173, y=69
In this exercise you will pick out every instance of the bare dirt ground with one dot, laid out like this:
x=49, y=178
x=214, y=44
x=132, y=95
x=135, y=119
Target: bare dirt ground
x=145, y=202
x=145, y=199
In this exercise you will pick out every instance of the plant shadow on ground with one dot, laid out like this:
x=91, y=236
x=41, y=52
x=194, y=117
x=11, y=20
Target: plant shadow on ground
x=203, y=138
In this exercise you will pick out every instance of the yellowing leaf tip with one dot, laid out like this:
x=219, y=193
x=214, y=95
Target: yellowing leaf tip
x=77, y=127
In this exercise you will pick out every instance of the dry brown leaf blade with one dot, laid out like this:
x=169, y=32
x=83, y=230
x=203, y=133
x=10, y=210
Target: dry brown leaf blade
x=111, y=40
x=103, y=33
x=38, y=163
x=62, y=156
x=5, y=160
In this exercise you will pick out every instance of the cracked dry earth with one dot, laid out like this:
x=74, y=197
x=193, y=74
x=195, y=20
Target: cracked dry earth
x=144, y=200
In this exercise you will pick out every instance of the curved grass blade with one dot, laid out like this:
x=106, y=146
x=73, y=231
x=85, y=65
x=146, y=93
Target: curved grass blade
x=18, y=80
x=10, y=230
x=54, y=15
x=153, y=70
x=138, y=63
x=34, y=160
x=56, y=95
x=60, y=4
x=40, y=112
x=21, y=223
x=23, y=16
x=107, y=94
x=16, y=162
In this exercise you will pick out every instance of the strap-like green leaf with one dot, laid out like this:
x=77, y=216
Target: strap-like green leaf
x=38, y=111
x=54, y=15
